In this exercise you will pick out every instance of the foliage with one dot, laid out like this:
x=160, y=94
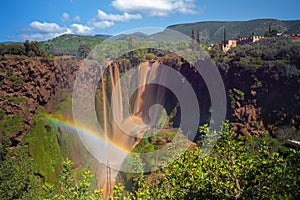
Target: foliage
x=67, y=188
x=27, y=48
x=14, y=100
x=34, y=49
x=235, y=95
x=43, y=147
x=17, y=180
x=212, y=32
x=12, y=48
x=247, y=168
x=268, y=73
x=83, y=51
x=271, y=33
x=70, y=45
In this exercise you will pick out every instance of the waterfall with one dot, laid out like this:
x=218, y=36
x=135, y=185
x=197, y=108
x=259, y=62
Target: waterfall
x=144, y=98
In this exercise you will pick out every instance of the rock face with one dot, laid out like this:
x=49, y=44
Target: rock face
x=247, y=120
x=29, y=84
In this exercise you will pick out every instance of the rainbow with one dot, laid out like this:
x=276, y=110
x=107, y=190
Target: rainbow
x=71, y=127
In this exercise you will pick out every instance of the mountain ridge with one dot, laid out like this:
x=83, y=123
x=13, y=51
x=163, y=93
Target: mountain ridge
x=213, y=31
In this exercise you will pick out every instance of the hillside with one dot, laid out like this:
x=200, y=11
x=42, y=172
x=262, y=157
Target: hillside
x=69, y=44
x=262, y=85
x=212, y=31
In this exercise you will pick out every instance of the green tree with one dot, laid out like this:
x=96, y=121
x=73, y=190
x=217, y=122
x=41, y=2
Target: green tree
x=83, y=51
x=198, y=38
x=224, y=36
x=193, y=45
x=130, y=42
x=17, y=179
x=246, y=168
x=70, y=188
x=33, y=49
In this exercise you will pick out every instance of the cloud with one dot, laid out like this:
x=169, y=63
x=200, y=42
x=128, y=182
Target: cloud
x=104, y=20
x=65, y=17
x=45, y=31
x=39, y=31
x=47, y=27
x=81, y=29
x=37, y=36
x=116, y=17
x=101, y=24
x=77, y=19
x=156, y=7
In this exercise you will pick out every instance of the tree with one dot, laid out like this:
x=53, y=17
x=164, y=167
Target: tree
x=198, y=38
x=34, y=49
x=130, y=42
x=68, y=188
x=193, y=45
x=83, y=51
x=246, y=168
x=224, y=36
x=17, y=180
x=271, y=32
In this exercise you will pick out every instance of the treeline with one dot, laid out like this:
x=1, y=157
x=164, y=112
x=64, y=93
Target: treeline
x=269, y=49
x=27, y=48
x=71, y=45
x=236, y=168
x=267, y=73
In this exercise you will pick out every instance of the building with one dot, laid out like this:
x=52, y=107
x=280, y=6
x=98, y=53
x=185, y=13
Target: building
x=228, y=45
x=238, y=42
x=295, y=37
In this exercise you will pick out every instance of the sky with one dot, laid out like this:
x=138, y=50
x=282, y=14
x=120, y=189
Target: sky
x=41, y=20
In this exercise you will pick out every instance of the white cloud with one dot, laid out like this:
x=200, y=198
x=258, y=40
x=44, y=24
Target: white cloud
x=101, y=24
x=81, y=29
x=46, y=31
x=65, y=17
x=104, y=20
x=156, y=7
x=43, y=31
x=47, y=27
x=40, y=31
x=76, y=19
x=38, y=36
x=116, y=17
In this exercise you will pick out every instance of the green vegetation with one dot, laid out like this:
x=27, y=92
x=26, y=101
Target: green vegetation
x=30, y=49
x=247, y=168
x=17, y=180
x=14, y=100
x=67, y=187
x=212, y=31
x=74, y=45
x=237, y=167
x=9, y=126
x=268, y=73
x=43, y=148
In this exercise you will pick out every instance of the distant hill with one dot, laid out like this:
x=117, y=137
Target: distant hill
x=69, y=44
x=103, y=37
x=136, y=36
x=212, y=31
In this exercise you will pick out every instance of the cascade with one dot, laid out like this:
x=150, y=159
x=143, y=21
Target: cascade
x=141, y=102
